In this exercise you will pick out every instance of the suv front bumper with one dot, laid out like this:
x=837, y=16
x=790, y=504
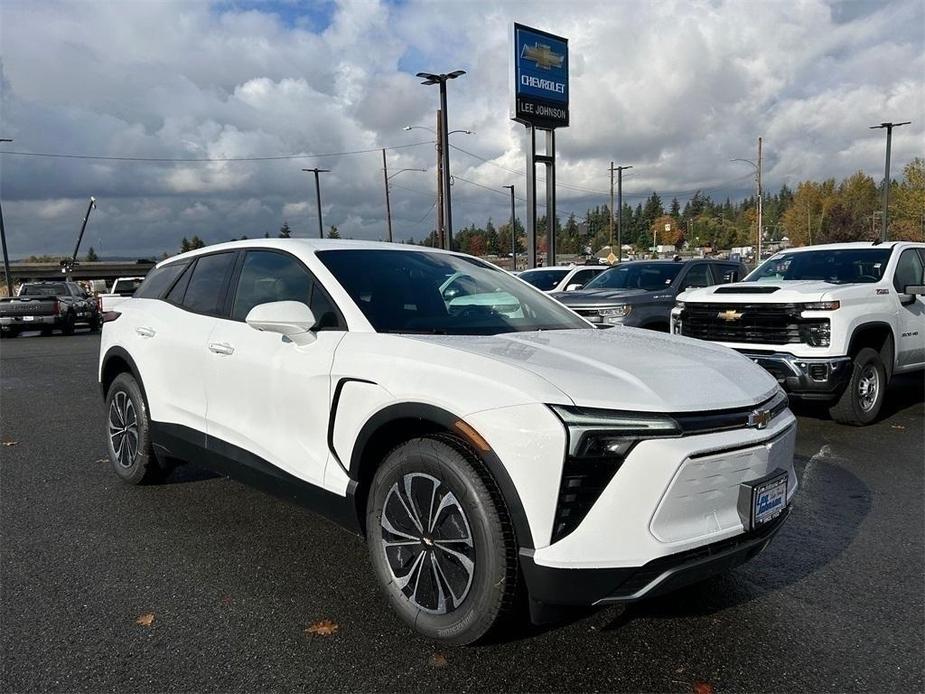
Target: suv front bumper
x=808, y=378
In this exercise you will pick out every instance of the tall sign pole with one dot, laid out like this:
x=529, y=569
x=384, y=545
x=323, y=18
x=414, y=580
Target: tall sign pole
x=540, y=94
x=513, y=233
x=6, y=256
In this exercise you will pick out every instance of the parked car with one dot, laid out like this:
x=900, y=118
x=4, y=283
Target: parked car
x=642, y=293
x=560, y=278
x=832, y=323
x=482, y=437
x=47, y=306
x=121, y=289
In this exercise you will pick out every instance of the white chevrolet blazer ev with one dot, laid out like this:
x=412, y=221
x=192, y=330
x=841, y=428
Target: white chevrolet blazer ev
x=483, y=438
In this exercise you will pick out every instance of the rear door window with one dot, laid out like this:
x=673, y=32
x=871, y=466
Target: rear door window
x=206, y=290
x=698, y=276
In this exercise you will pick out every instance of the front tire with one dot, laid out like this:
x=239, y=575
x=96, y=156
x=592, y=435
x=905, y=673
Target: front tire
x=440, y=541
x=862, y=399
x=70, y=321
x=129, y=433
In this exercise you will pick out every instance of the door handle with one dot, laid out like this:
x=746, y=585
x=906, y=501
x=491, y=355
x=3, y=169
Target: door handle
x=145, y=331
x=221, y=348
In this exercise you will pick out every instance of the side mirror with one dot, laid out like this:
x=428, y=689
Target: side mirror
x=574, y=287
x=291, y=319
x=914, y=289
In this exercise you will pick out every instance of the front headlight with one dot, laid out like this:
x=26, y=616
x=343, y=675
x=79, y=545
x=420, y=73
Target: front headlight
x=596, y=433
x=612, y=314
x=821, y=306
x=678, y=305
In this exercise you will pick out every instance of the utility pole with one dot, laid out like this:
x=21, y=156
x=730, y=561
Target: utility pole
x=388, y=204
x=6, y=256
x=611, y=206
x=620, y=170
x=441, y=228
x=317, y=171
x=760, y=204
x=513, y=233
x=886, y=174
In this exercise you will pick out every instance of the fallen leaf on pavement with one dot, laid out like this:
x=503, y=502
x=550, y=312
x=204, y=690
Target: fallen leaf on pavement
x=227, y=600
x=146, y=619
x=101, y=460
x=438, y=660
x=9, y=442
x=703, y=688
x=324, y=627
x=898, y=427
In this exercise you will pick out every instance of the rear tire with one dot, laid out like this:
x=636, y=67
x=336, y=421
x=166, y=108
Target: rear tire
x=95, y=323
x=440, y=541
x=862, y=398
x=129, y=433
x=69, y=322
x=12, y=332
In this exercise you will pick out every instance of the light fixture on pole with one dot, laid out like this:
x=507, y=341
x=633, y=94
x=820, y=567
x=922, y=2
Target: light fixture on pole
x=884, y=218
x=757, y=168
x=441, y=80
x=317, y=171
x=385, y=178
x=6, y=256
x=513, y=233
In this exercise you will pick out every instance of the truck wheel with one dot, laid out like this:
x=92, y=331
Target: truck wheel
x=128, y=433
x=12, y=332
x=860, y=403
x=68, y=327
x=95, y=323
x=440, y=541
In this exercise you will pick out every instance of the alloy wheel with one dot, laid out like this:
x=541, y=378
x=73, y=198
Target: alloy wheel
x=868, y=387
x=427, y=543
x=123, y=429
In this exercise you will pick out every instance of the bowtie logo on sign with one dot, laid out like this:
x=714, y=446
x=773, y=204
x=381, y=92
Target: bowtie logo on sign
x=543, y=56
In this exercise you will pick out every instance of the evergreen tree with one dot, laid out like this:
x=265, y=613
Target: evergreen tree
x=333, y=233
x=195, y=243
x=92, y=257
x=284, y=231
x=185, y=245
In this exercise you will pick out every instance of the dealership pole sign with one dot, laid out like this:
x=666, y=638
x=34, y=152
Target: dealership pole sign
x=541, y=90
x=540, y=93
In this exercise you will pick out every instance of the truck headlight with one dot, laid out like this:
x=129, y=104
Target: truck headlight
x=678, y=305
x=821, y=306
x=597, y=433
x=615, y=313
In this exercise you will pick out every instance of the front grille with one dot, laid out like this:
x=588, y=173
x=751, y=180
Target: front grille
x=583, y=482
x=772, y=324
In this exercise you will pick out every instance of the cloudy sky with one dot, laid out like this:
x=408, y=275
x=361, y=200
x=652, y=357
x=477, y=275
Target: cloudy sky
x=675, y=89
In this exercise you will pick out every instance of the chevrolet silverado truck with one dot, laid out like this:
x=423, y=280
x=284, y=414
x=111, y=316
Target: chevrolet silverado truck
x=832, y=323
x=47, y=306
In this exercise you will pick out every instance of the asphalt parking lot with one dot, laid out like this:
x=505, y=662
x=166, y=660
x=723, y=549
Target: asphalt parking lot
x=233, y=578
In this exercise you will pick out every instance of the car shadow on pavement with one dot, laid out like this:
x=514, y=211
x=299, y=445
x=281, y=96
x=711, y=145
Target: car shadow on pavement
x=816, y=533
x=188, y=472
x=904, y=391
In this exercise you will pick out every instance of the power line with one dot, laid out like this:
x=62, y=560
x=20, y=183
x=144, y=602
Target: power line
x=280, y=157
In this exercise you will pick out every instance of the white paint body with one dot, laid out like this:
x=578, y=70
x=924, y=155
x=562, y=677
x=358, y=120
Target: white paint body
x=273, y=398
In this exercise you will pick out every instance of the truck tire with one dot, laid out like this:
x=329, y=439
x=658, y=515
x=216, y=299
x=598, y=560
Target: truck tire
x=129, y=433
x=11, y=332
x=440, y=541
x=861, y=400
x=96, y=322
x=69, y=321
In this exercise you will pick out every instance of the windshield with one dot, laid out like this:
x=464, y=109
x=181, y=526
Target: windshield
x=436, y=293
x=648, y=276
x=44, y=290
x=545, y=280
x=840, y=266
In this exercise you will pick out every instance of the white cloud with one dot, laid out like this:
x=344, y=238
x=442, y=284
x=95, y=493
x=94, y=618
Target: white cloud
x=676, y=89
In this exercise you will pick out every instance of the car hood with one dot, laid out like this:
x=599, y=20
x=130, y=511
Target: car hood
x=600, y=296
x=783, y=292
x=626, y=368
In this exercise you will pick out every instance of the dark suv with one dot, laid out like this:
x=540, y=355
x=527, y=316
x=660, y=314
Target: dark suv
x=641, y=293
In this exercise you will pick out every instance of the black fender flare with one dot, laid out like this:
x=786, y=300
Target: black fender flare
x=448, y=421
x=876, y=325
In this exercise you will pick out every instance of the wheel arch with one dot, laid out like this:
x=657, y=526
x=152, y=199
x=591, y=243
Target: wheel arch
x=400, y=422
x=877, y=335
x=116, y=361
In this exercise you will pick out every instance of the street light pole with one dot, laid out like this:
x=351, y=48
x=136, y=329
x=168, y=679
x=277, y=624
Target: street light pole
x=513, y=233
x=317, y=171
x=6, y=256
x=386, y=178
x=441, y=80
x=620, y=170
x=886, y=174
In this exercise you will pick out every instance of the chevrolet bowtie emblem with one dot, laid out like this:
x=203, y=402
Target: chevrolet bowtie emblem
x=542, y=55
x=729, y=315
x=759, y=419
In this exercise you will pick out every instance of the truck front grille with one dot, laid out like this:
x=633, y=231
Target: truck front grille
x=769, y=324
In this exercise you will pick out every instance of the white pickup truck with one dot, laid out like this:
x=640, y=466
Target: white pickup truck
x=831, y=323
x=122, y=289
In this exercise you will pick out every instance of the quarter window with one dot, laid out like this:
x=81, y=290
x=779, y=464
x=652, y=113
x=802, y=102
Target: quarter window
x=730, y=273
x=205, y=291
x=697, y=276
x=159, y=279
